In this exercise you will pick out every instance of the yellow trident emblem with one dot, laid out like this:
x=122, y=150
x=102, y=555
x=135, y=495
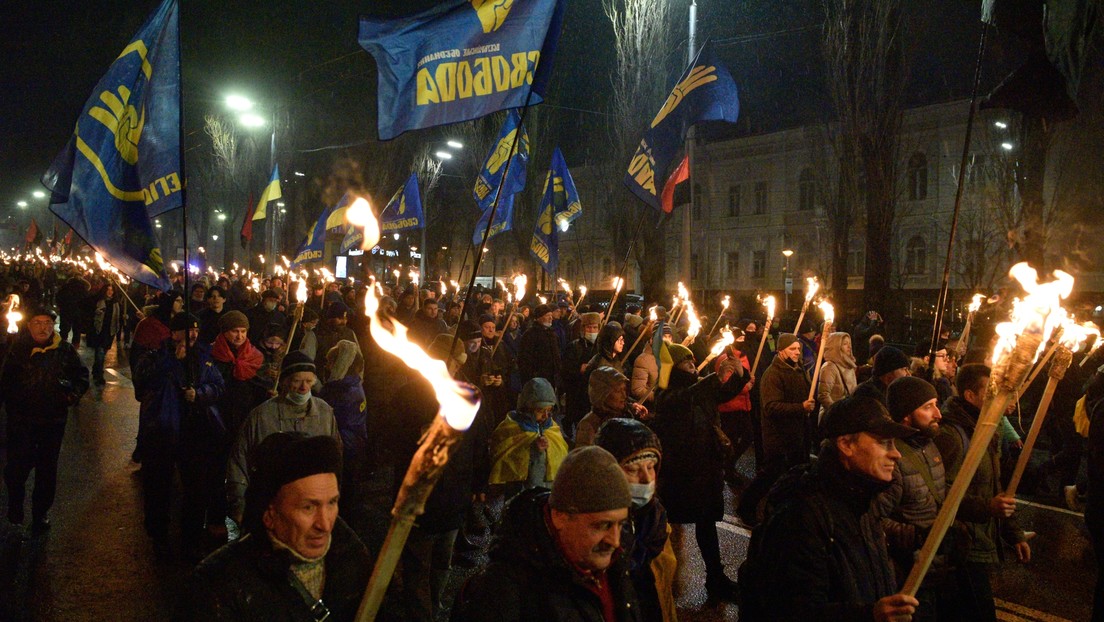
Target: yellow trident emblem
x=492, y=13
x=699, y=76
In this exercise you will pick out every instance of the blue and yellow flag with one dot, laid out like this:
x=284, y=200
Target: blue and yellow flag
x=504, y=220
x=491, y=175
x=313, y=248
x=704, y=92
x=271, y=192
x=461, y=60
x=404, y=211
x=558, y=208
x=122, y=166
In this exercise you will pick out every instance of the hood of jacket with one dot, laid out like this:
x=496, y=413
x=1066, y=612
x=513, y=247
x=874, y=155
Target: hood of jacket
x=833, y=350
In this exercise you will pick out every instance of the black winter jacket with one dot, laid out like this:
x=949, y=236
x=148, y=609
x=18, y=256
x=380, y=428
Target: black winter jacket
x=249, y=580
x=40, y=383
x=528, y=578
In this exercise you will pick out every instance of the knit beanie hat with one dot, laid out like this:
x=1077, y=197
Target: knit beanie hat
x=906, y=394
x=629, y=441
x=679, y=353
x=282, y=458
x=336, y=310
x=589, y=480
x=309, y=315
x=889, y=359
x=296, y=362
x=232, y=320
x=341, y=358
x=602, y=382
x=537, y=393
x=469, y=330
x=633, y=321
x=786, y=340
x=183, y=321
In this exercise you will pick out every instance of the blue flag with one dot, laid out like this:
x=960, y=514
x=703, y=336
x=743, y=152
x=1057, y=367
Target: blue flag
x=404, y=211
x=122, y=165
x=491, y=174
x=313, y=248
x=461, y=60
x=504, y=220
x=558, y=208
x=705, y=92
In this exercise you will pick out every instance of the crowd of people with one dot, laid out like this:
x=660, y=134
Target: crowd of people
x=290, y=431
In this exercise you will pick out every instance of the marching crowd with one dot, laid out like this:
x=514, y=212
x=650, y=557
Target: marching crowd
x=592, y=442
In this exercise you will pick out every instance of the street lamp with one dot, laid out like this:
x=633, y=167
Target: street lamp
x=22, y=204
x=38, y=194
x=250, y=120
x=455, y=144
x=787, y=285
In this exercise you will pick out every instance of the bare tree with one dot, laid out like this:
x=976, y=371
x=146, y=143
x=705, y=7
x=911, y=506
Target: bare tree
x=867, y=74
x=644, y=44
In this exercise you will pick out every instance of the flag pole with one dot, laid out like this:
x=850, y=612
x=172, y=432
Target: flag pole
x=184, y=210
x=941, y=300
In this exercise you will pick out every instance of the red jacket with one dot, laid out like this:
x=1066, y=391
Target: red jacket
x=741, y=402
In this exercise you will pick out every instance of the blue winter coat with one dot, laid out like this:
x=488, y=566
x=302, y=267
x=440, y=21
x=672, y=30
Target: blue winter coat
x=159, y=384
x=350, y=409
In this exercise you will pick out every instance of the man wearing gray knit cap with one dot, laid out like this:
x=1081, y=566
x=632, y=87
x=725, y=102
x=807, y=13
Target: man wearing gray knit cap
x=557, y=555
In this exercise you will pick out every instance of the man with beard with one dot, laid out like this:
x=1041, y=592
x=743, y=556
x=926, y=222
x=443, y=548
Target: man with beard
x=820, y=553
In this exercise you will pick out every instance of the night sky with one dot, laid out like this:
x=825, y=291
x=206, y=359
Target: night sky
x=304, y=55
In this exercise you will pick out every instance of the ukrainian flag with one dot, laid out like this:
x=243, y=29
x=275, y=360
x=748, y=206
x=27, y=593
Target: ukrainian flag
x=271, y=193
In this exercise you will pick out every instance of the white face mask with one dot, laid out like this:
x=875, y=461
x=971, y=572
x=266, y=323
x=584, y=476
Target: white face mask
x=298, y=398
x=642, y=493
x=591, y=337
x=547, y=324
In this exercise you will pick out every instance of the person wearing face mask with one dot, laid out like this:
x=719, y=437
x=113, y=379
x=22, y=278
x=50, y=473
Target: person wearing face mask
x=539, y=350
x=263, y=314
x=609, y=347
x=334, y=328
x=645, y=537
x=180, y=390
x=579, y=353
x=293, y=409
x=692, y=481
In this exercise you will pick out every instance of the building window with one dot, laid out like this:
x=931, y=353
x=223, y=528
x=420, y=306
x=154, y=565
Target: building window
x=806, y=186
x=694, y=266
x=607, y=267
x=761, y=197
x=732, y=267
x=917, y=176
x=734, y=192
x=699, y=202
x=916, y=256
x=758, y=264
x=856, y=262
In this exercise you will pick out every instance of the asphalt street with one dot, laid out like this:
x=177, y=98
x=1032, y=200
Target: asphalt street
x=96, y=563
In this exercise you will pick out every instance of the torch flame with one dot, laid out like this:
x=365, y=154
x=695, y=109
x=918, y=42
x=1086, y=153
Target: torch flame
x=442, y=288
x=976, y=304
x=695, y=323
x=682, y=292
x=542, y=299
x=812, y=286
x=726, y=340
x=565, y=285
x=520, y=281
x=261, y=257
x=359, y=214
x=828, y=310
x=618, y=282
x=1075, y=335
x=256, y=285
x=455, y=286
x=414, y=276
x=1039, y=312
x=13, y=315
x=652, y=317
x=287, y=264
x=769, y=302
x=301, y=292
x=727, y=301
x=582, y=290
x=457, y=403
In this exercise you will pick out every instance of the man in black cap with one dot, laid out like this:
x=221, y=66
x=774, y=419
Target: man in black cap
x=334, y=328
x=820, y=553
x=294, y=409
x=889, y=365
x=297, y=560
x=557, y=556
x=179, y=389
x=263, y=314
x=539, y=348
x=43, y=377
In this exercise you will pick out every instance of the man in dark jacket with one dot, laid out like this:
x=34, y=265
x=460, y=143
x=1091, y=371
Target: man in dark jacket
x=557, y=556
x=986, y=510
x=889, y=365
x=575, y=360
x=43, y=377
x=820, y=553
x=179, y=389
x=539, y=350
x=294, y=564
x=263, y=314
x=784, y=398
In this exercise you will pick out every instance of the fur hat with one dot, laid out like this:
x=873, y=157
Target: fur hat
x=590, y=318
x=889, y=359
x=629, y=441
x=280, y=459
x=469, y=330
x=589, y=480
x=232, y=320
x=542, y=310
x=906, y=394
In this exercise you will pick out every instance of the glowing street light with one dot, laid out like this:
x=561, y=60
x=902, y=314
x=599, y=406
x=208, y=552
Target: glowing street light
x=239, y=103
x=455, y=144
x=250, y=119
x=38, y=194
x=443, y=155
x=22, y=204
x=1006, y=146
x=1000, y=124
